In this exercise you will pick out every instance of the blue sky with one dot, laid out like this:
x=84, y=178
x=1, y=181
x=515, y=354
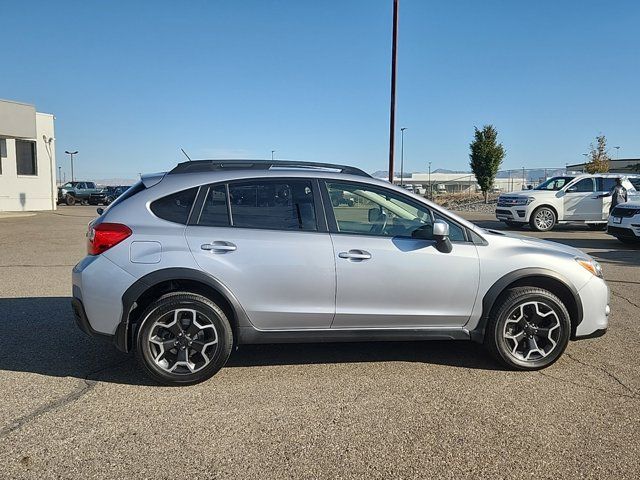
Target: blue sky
x=132, y=82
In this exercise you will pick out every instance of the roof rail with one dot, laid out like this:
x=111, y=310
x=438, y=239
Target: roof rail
x=217, y=165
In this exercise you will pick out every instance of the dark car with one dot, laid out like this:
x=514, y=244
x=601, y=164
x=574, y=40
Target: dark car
x=107, y=195
x=76, y=192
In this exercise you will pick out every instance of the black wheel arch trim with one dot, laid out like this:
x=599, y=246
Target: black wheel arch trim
x=489, y=299
x=135, y=291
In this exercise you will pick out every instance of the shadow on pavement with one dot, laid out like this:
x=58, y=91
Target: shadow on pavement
x=39, y=336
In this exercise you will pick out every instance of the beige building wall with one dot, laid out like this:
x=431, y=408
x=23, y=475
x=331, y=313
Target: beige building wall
x=30, y=192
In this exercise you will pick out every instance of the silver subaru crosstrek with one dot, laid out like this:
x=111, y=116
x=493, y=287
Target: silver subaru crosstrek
x=187, y=264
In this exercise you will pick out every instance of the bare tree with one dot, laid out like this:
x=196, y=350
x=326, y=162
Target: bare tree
x=598, y=156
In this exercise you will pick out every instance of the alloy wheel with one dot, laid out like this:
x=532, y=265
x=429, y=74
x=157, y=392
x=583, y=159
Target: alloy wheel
x=544, y=219
x=532, y=331
x=182, y=341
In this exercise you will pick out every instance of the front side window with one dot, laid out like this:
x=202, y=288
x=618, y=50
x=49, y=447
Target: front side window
x=554, y=184
x=584, y=185
x=280, y=204
x=359, y=209
x=175, y=207
x=26, y=157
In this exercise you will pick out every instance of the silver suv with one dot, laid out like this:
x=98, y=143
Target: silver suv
x=213, y=254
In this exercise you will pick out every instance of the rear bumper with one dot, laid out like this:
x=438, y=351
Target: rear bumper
x=83, y=323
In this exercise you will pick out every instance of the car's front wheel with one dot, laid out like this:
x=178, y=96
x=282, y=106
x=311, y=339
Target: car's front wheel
x=70, y=200
x=528, y=329
x=184, y=339
x=543, y=219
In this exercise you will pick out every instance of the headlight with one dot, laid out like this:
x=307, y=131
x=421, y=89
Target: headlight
x=530, y=200
x=591, y=265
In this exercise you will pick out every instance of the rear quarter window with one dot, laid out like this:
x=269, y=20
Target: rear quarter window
x=175, y=207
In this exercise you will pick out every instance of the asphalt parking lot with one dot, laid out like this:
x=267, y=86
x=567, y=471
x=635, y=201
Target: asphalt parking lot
x=73, y=407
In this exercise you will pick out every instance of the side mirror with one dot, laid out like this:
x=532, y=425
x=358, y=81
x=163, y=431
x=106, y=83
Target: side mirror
x=441, y=236
x=100, y=210
x=572, y=189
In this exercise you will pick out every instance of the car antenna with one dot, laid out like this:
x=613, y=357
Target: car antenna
x=185, y=154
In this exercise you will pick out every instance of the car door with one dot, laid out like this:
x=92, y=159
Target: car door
x=604, y=185
x=267, y=241
x=387, y=278
x=581, y=202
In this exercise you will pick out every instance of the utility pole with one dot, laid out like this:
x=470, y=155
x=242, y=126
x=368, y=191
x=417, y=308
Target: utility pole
x=59, y=174
x=523, y=179
x=392, y=112
x=71, y=154
x=402, y=156
x=430, y=188
x=272, y=152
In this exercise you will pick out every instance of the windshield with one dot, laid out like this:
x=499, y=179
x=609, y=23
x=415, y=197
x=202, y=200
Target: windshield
x=554, y=183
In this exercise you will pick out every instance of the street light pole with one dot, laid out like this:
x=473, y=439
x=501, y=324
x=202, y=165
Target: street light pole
x=71, y=154
x=59, y=174
x=430, y=188
x=402, y=156
x=392, y=109
x=617, y=153
x=272, y=152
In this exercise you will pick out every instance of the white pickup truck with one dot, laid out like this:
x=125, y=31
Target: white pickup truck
x=566, y=199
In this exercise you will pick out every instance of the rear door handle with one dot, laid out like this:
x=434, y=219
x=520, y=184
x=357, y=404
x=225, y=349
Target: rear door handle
x=357, y=255
x=219, y=246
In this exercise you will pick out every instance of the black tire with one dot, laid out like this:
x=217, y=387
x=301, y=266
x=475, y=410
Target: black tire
x=70, y=200
x=206, y=309
x=108, y=200
x=540, y=212
x=514, y=225
x=507, y=303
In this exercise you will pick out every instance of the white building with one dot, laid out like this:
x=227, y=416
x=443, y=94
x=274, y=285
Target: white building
x=460, y=182
x=27, y=158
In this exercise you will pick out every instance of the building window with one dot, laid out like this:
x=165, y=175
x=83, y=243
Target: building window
x=26, y=157
x=3, y=151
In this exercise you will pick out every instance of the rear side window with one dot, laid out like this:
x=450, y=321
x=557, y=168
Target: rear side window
x=584, y=185
x=279, y=205
x=175, y=207
x=606, y=184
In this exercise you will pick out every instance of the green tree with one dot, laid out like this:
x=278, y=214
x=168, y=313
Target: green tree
x=598, y=156
x=486, y=157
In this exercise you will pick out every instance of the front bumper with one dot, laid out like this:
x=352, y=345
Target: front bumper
x=595, y=297
x=512, y=214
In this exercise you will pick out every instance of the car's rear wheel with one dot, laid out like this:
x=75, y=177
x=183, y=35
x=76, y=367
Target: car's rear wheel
x=108, y=200
x=543, y=219
x=528, y=329
x=184, y=339
x=70, y=200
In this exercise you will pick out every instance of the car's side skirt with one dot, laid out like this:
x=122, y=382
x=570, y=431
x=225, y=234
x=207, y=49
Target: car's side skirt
x=249, y=335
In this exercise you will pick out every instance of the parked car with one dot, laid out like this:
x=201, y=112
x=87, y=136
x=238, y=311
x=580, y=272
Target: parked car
x=185, y=265
x=624, y=222
x=564, y=199
x=107, y=195
x=76, y=192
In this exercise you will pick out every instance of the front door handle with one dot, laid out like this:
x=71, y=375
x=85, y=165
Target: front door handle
x=356, y=255
x=219, y=247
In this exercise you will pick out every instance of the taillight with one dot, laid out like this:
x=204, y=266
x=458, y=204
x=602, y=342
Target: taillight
x=104, y=236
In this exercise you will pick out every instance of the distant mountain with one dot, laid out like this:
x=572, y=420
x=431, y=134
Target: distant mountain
x=444, y=170
x=115, y=181
x=385, y=174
